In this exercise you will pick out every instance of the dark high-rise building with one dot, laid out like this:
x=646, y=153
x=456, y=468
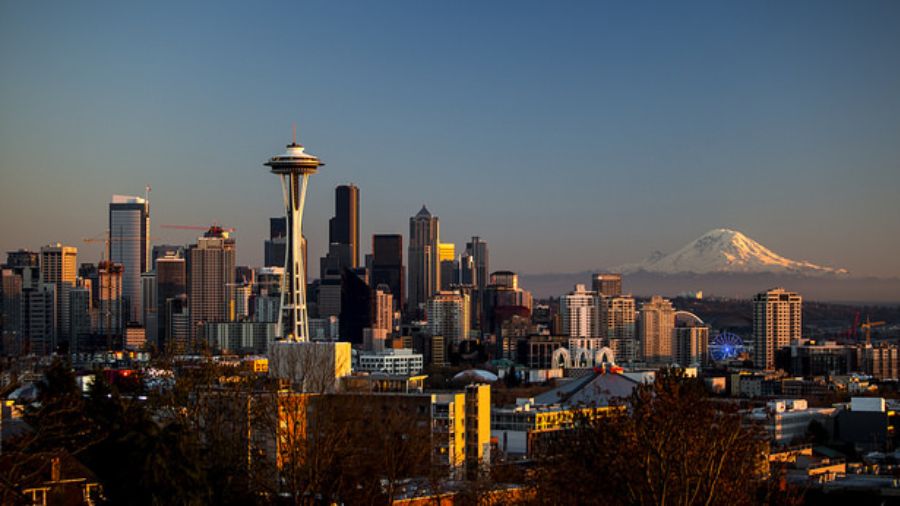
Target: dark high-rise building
x=277, y=241
x=11, y=312
x=387, y=265
x=467, y=274
x=171, y=282
x=356, y=306
x=478, y=250
x=27, y=265
x=424, y=267
x=607, y=284
x=474, y=269
x=89, y=272
x=110, y=320
x=343, y=229
x=129, y=245
x=40, y=319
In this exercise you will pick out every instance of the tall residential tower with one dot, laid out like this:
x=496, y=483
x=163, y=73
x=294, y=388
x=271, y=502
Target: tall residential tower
x=777, y=320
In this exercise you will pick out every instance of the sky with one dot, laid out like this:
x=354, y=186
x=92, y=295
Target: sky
x=568, y=135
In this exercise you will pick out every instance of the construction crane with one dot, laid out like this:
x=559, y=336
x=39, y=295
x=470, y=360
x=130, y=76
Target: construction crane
x=104, y=238
x=868, y=328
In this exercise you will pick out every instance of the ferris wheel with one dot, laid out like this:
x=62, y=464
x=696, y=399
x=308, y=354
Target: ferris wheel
x=725, y=345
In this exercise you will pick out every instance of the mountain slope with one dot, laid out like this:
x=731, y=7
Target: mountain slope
x=726, y=251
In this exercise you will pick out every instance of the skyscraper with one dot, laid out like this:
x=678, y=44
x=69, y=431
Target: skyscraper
x=79, y=317
x=607, y=284
x=59, y=266
x=690, y=340
x=294, y=168
x=343, y=228
x=777, y=320
x=26, y=264
x=11, y=312
x=387, y=265
x=503, y=299
x=149, y=310
x=448, y=265
x=212, y=271
x=356, y=306
x=505, y=306
x=616, y=324
x=656, y=329
x=171, y=282
x=275, y=244
x=479, y=267
x=448, y=316
x=40, y=319
x=579, y=313
x=424, y=270
x=478, y=250
x=110, y=319
x=129, y=245
x=383, y=309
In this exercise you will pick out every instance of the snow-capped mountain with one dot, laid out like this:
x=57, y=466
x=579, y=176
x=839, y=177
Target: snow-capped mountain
x=726, y=251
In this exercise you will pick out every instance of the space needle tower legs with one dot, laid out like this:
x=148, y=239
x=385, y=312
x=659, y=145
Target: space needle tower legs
x=294, y=167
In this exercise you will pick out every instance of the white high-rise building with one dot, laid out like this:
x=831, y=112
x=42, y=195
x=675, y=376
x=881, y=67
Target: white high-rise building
x=777, y=320
x=578, y=311
x=448, y=316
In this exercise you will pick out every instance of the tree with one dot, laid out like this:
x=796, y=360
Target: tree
x=668, y=444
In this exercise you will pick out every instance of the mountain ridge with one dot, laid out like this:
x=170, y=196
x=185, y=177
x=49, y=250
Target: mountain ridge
x=722, y=251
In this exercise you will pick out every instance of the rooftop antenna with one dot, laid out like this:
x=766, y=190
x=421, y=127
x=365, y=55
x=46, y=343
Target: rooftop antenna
x=294, y=133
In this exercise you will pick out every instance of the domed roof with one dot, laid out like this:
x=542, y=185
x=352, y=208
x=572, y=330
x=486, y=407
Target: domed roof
x=476, y=376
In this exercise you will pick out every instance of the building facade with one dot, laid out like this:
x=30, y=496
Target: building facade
x=424, y=268
x=129, y=245
x=387, y=266
x=59, y=266
x=448, y=316
x=578, y=312
x=212, y=272
x=607, y=284
x=656, y=329
x=777, y=320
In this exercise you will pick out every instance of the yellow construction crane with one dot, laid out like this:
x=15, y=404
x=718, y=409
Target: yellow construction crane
x=868, y=328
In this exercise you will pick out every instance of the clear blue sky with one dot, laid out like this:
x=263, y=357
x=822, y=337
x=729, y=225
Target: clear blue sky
x=569, y=135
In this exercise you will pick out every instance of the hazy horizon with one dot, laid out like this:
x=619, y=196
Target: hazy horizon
x=570, y=138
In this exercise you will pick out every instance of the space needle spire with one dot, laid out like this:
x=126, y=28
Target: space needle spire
x=294, y=167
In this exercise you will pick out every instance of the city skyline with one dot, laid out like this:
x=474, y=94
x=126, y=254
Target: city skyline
x=623, y=132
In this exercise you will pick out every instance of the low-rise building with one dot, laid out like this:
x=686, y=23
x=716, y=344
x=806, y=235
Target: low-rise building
x=392, y=361
x=788, y=420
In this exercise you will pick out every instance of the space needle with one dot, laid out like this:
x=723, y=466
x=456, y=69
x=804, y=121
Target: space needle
x=294, y=166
